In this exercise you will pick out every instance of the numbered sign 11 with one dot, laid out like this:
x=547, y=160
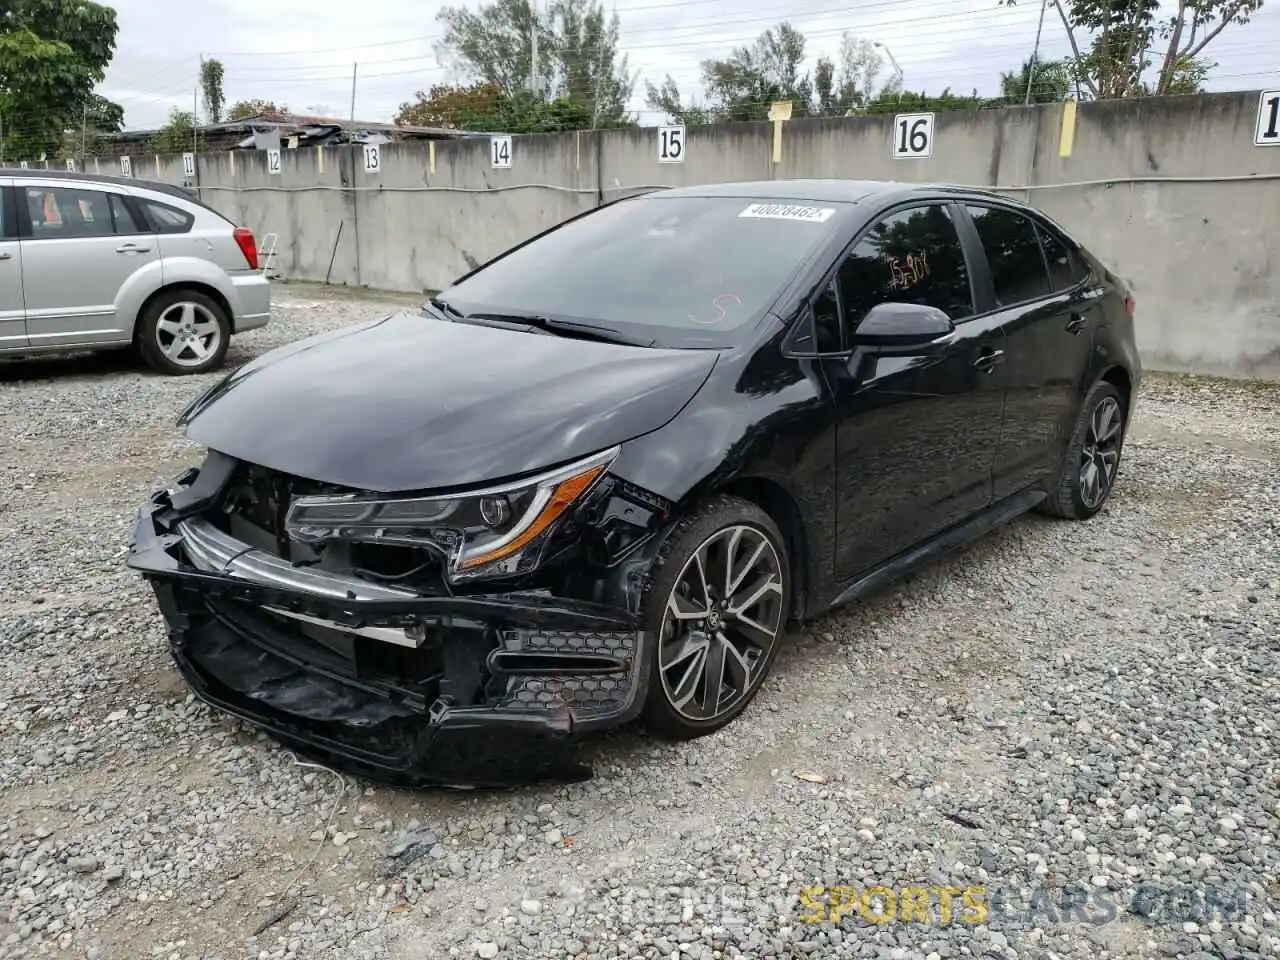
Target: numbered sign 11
x=500, y=152
x=372, y=158
x=1267, y=133
x=126, y=167
x=913, y=136
x=188, y=164
x=671, y=144
x=273, y=162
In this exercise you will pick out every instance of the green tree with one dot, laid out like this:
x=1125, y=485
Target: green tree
x=1114, y=43
x=211, y=87
x=890, y=100
x=847, y=86
x=52, y=54
x=577, y=55
x=177, y=135
x=243, y=109
x=452, y=107
x=742, y=86
x=1049, y=80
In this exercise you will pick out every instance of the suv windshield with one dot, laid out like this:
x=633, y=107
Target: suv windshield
x=674, y=271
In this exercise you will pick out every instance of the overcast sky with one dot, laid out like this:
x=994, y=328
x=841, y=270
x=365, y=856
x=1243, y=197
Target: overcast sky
x=300, y=52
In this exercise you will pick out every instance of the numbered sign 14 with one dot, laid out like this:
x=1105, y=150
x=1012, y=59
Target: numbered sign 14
x=1267, y=133
x=126, y=167
x=913, y=136
x=671, y=144
x=188, y=164
x=372, y=158
x=500, y=152
x=273, y=162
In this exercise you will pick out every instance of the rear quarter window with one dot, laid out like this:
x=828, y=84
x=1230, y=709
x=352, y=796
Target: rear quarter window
x=1066, y=269
x=166, y=219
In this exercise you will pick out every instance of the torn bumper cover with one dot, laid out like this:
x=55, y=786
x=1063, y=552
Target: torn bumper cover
x=464, y=690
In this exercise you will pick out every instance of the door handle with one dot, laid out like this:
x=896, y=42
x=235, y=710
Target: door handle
x=989, y=360
x=6, y=256
x=1075, y=324
x=131, y=248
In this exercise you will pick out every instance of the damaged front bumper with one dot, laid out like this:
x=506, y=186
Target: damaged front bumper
x=463, y=690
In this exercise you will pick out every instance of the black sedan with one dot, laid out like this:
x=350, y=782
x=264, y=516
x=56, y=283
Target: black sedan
x=597, y=477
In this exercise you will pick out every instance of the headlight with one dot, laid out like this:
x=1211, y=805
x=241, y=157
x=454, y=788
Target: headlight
x=496, y=531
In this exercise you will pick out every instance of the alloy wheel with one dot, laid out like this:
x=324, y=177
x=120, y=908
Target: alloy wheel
x=188, y=334
x=1100, y=453
x=722, y=619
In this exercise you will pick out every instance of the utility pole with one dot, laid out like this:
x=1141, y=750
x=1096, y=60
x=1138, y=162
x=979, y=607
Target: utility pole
x=84, y=129
x=195, y=106
x=533, y=46
x=354, y=68
x=1035, y=54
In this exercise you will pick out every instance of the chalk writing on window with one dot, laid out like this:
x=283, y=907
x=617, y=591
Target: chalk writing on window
x=906, y=272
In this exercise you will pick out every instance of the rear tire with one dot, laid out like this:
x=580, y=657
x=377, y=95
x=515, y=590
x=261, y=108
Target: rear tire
x=183, y=332
x=1091, y=461
x=717, y=606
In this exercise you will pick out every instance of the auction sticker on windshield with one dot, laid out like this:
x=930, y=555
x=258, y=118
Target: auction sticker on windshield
x=787, y=211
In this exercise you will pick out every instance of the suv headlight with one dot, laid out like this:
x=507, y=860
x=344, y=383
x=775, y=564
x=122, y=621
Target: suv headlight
x=497, y=531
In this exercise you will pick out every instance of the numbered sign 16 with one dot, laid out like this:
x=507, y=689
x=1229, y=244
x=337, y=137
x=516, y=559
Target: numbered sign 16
x=1267, y=133
x=671, y=144
x=372, y=159
x=273, y=162
x=188, y=164
x=126, y=167
x=913, y=136
x=71, y=165
x=500, y=152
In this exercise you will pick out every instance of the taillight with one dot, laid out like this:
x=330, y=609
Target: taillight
x=1129, y=305
x=248, y=246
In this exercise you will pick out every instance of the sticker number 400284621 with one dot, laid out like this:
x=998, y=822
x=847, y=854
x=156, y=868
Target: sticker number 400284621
x=787, y=211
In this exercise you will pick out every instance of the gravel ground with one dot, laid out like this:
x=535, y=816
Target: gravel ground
x=1062, y=711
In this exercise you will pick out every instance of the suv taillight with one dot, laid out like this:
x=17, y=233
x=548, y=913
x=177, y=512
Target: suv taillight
x=248, y=246
x=1130, y=305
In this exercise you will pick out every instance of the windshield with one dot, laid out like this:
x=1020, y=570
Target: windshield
x=674, y=271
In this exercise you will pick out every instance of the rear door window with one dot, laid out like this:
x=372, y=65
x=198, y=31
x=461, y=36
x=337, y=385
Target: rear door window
x=1013, y=254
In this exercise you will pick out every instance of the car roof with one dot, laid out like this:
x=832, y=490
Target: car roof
x=183, y=193
x=830, y=190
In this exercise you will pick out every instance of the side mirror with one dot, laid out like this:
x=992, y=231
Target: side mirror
x=903, y=328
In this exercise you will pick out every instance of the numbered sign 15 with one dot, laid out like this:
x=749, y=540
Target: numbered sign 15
x=188, y=164
x=273, y=162
x=126, y=167
x=372, y=159
x=1267, y=133
x=913, y=136
x=671, y=144
x=500, y=152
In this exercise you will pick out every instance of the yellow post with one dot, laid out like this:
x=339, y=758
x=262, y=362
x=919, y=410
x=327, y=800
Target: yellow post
x=779, y=113
x=1068, y=137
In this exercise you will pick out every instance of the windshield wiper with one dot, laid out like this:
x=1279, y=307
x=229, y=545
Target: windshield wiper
x=572, y=328
x=448, y=309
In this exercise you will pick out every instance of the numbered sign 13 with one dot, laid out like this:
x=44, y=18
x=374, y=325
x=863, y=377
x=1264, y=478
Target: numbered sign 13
x=671, y=144
x=372, y=158
x=500, y=152
x=913, y=136
x=1267, y=133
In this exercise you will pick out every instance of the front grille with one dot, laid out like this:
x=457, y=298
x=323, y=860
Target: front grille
x=262, y=497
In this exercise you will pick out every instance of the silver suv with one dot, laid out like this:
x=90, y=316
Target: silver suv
x=92, y=262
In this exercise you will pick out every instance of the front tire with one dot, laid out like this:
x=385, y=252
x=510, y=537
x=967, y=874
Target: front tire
x=1091, y=461
x=183, y=332
x=717, y=607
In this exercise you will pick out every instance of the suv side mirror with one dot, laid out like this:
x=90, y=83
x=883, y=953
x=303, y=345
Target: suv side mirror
x=903, y=328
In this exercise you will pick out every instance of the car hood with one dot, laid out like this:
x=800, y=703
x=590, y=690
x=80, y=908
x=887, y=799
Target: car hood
x=409, y=402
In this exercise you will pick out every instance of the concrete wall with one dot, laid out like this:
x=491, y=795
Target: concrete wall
x=1170, y=192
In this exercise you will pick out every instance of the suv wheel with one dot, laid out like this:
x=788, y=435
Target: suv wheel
x=1092, y=458
x=183, y=332
x=718, y=605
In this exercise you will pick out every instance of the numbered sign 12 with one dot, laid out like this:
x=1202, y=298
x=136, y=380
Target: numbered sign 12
x=273, y=162
x=126, y=166
x=1267, y=133
x=913, y=136
x=188, y=164
x=372, y=159
x=500, y=152
x=671, y=144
